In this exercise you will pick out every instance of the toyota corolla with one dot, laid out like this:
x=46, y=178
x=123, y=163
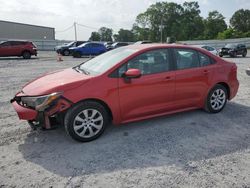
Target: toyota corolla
x=127, y=84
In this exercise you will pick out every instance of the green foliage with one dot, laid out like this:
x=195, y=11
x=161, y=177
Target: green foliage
x=214, y=23
x=95, y=36
x=182, y=22
x=240, y=20
x=124, y=36
x=106, y=34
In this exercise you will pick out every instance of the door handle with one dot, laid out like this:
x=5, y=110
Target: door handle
x=168, y=78
x=206, y=71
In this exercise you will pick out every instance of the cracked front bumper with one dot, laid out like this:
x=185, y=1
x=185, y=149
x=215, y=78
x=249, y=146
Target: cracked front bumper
x=41, y=118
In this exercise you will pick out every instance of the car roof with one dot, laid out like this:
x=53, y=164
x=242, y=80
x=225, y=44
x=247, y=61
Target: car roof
x=17, y=41
x=157, y=45
x=152, y=46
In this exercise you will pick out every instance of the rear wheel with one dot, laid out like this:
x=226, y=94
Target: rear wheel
x=86, y=121
x=216, y=99
x=26, y=55
x=220, y=54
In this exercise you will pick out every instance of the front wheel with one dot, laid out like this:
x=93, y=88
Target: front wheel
x=86, y=121
x=66, y=52
x=220, y=54
x=216, y=99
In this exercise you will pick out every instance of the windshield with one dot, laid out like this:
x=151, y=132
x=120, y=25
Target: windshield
x=84, y=44
x=230, y=46
x=70, y=44
x=104, y=62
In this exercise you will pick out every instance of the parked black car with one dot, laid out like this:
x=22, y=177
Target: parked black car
x=119, y=44
x=233, y=50
x=64, y=49
x=108, y=45
x=143, y=42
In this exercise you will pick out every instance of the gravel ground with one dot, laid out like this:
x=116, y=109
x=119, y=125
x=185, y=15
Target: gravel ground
x=190, y=149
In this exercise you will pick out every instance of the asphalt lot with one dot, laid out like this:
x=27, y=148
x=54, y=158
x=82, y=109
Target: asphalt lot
x=190, y=149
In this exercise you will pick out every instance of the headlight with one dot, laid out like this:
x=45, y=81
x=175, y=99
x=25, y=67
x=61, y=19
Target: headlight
x=40, y=102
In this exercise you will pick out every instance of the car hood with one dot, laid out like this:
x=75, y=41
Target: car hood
x=57, y=81
x=62, y=46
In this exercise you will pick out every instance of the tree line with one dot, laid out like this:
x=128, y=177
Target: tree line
x=181, y=22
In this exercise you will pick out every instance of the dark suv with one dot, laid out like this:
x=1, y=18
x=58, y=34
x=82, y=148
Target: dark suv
x=17, y=48
x=64, y=49
x=233, y=50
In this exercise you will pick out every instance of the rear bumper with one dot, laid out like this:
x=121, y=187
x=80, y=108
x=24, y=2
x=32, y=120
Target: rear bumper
x=234, y=89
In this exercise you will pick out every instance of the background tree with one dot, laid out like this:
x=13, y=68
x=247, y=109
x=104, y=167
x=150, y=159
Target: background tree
x=141, y=27
x=214, y=23
x=191, y=23
x=106, y=34
x=240, y=20
x=95, y=36
x=124, y=36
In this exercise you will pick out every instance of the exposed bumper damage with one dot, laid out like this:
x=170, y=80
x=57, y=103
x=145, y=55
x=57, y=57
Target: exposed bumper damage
x=45, y=118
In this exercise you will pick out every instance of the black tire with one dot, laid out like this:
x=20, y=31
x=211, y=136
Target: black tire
x=211, y=100
x=66, y=52
x=244, y=54
x=76, y=118
x=26, y=55
x=76, y=54
x=220, y=54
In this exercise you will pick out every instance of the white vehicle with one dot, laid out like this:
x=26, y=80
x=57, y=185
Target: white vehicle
x=208, y=48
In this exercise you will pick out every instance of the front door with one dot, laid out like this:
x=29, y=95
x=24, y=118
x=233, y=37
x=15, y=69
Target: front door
x=153, y=92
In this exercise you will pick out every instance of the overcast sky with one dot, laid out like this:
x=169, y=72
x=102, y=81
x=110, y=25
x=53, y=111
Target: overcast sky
x=116, y=14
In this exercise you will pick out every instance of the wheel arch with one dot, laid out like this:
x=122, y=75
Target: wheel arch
x=25, y=51
x=226, y=86
x=106, y=106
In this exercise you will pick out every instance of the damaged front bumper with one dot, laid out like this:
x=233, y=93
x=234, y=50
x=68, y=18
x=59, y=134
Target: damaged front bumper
x=44, y=118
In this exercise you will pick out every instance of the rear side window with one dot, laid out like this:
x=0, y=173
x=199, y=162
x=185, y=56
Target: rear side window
x=204, y=60
x=186, y=59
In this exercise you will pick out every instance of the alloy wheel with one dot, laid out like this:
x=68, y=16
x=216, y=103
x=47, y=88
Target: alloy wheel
x=218, y=99
x=88, y=123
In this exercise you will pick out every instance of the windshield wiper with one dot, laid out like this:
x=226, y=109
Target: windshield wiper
x=78, y=69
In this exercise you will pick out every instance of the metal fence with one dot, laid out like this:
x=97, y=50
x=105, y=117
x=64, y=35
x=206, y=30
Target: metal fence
x=51, y=44
x=219, y=43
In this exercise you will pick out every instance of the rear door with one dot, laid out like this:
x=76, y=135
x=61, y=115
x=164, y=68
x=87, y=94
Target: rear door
x=194, y=73
x=153, y=92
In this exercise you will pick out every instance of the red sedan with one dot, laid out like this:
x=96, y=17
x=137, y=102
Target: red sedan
x=128, y=84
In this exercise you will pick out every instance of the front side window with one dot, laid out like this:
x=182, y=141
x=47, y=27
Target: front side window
x=151, y=62
x=186, y=58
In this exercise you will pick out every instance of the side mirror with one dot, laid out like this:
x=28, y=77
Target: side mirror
x=132, y=73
